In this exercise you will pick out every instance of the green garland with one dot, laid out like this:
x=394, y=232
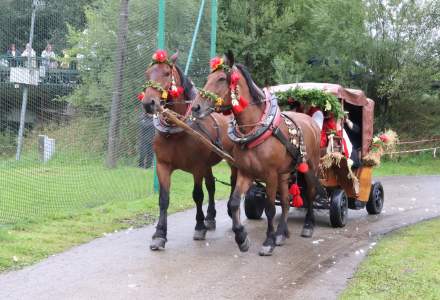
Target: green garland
x=312, y=97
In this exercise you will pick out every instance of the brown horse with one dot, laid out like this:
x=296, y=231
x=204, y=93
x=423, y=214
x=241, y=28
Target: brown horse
x=265, y=158
x=168, y=87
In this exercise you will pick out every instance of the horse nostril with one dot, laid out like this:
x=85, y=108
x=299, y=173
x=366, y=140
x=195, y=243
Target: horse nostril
x=196, y=108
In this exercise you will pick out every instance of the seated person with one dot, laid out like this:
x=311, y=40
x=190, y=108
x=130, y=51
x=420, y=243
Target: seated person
x=354, y=134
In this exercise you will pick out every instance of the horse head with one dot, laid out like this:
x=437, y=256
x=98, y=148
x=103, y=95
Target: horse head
x=165, y=86
x=227, y=89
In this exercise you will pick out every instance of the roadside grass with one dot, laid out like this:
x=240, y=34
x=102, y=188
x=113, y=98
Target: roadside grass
x=404, y=265
x=414, y=164
x=107, y=200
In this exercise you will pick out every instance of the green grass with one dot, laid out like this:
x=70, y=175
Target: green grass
x=404, y=265
x=419, y=164
x=56, y=206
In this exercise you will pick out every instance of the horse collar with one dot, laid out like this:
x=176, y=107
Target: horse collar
x=270, y=120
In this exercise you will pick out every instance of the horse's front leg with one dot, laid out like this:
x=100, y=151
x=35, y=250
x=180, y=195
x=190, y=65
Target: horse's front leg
x=233, y=181
x=270, y=210
x=242, y=185
x=211, y=213
x=200, y=229
x=160, y=236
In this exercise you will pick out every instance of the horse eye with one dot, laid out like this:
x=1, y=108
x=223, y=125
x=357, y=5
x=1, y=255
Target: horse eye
x=167, y=74
x=222, y=79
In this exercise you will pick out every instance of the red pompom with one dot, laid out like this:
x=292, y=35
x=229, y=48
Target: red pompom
x=141, y=96
x=235, y=77
x=295, y=191
x=160, y=56
x=238, y=109
x=243, y=102
x=175, y=93
x=303, y=167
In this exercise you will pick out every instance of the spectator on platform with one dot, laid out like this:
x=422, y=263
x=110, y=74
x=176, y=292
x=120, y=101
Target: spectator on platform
x=29, y=52
x=12, y=55
x=48, y=58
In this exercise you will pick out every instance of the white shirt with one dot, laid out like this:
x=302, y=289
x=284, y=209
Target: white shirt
x=318, y=116
x=347, y=142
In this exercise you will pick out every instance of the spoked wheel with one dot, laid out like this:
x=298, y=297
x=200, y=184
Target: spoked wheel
x=255, y=202
x=375, y=202
x=338, y=208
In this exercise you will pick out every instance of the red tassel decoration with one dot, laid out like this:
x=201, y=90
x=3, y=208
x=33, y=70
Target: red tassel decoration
x=176, y=92
x=141, y=96
x=297, y=200
x=303, y=167
x=238, y=109
x=243, y=102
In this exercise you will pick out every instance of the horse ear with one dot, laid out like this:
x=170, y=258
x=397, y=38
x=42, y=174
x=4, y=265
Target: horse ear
x=174, y=57
x=229, y=58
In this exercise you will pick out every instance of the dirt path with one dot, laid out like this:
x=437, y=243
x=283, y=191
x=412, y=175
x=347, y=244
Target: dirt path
x=120, y=266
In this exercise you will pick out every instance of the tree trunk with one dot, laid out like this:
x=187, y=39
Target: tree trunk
x=115, y=115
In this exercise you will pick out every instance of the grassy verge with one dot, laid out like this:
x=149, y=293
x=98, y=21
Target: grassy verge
x=403, y=266
x=421, y=164
x=29, y=241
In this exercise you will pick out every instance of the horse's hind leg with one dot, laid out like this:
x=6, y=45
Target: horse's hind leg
x=210, y=186
x=282, y=231
x=242, y=185
x=309, y=222
x=160, y=236
x=270, y=210
x=200, y=229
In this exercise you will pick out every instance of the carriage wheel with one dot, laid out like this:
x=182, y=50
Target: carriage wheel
x=375, y=202
x=338, y=208
x=254, y=202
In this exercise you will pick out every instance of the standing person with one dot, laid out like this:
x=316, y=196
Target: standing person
x=13, y=55
x=146, y=134
x=29, y=52
x=48, y=57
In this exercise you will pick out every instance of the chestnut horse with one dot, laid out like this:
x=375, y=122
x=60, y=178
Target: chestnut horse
x=167, y=87
x=268, y=159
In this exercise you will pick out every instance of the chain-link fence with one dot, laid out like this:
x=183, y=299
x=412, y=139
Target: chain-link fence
x=66, y=77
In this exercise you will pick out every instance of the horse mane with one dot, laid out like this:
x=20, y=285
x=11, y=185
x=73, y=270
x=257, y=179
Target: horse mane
x=256, y=93
x=187, y=84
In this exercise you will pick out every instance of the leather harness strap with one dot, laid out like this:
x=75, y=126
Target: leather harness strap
x=216, y=141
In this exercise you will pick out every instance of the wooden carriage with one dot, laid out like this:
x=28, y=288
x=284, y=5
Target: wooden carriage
x=346, y=187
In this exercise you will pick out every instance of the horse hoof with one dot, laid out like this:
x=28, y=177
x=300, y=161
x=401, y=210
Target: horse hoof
x=266, y=250
x=280, y=240
x=199, y=235
x=307, y=232
x=157, y=244
x=244, y=247
x=210, y=224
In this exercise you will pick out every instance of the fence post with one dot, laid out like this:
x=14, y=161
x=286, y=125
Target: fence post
x=213, y=27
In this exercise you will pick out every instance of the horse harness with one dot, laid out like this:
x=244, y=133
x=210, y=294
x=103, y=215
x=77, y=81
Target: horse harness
x=269, y=126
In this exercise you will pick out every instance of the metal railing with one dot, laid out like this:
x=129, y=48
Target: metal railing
x=62, y=71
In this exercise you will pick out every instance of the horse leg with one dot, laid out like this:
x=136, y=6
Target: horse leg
x=242, y=185
x=210, y=186
x=160, y=236
x=282, y=231
x=233, y=181
x=200, y=229
x=311, y=182
x=270, y=210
